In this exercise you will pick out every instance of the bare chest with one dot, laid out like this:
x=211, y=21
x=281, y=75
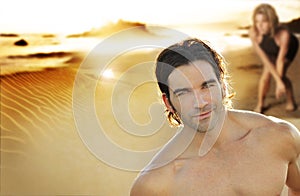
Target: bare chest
x=236, y=170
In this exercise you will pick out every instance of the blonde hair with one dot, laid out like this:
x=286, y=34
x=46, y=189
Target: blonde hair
x=271, y=16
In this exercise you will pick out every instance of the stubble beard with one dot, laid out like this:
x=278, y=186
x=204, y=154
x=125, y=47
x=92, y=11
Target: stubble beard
x=205, y=125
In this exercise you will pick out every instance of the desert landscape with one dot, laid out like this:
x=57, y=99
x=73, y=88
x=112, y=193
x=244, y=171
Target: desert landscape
x=49, y=89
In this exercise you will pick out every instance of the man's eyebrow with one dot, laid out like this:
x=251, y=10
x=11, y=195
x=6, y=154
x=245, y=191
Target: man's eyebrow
x=180, y=90
x=208, y=82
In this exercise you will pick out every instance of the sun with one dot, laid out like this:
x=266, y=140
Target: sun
x=108, y=73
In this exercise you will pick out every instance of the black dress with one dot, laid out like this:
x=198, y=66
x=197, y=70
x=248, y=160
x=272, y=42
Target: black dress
x=269, y=46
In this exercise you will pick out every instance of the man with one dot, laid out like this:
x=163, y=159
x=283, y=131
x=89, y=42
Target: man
x=231, y=152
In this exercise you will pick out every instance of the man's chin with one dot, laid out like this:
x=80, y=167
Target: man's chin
x=202, y=129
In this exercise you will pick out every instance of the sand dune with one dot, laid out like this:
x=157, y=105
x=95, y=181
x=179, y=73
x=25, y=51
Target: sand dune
x=41, y=55
x=41, y=150
x=111, y=28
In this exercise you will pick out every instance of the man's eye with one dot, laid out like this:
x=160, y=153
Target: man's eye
x=208, y=85
x=180, y=93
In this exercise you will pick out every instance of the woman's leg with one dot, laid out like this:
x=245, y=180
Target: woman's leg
x=290, y=101
x=263, y=87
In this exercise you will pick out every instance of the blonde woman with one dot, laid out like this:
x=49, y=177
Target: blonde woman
x=277, y=47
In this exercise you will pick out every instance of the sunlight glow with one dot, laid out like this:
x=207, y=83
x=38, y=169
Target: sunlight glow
x=108, y=73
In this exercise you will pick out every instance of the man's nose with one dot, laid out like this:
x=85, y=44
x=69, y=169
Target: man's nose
x=200, y=99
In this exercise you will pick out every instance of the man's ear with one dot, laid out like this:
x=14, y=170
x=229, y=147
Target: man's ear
x=167, y=103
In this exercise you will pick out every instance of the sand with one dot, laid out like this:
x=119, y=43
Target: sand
x=41, y=149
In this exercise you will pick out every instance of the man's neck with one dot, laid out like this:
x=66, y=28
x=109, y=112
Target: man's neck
x=203, y=142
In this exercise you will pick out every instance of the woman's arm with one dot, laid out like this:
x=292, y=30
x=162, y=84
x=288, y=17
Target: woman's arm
x=280, y=90
x=283, y=42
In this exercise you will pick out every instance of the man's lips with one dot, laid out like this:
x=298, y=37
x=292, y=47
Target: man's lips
x=203, y=115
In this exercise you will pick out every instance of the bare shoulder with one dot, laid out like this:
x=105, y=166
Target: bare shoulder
x=144, y=184
x=157, y=176
x=258, y=120
x=285, y=130
x=276, y=130
x=152, y=182
x=282, y=32
x=282, y=36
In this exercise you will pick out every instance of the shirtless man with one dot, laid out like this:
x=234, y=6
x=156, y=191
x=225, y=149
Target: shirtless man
x=232, y=152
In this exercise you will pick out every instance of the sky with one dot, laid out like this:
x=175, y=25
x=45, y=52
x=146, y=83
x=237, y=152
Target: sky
x=66, y=16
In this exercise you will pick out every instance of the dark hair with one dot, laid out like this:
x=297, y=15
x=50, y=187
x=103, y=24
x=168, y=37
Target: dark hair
x=183, y=53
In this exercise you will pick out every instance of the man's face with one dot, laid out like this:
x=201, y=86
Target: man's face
x=262, y=24
x=196, y=95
